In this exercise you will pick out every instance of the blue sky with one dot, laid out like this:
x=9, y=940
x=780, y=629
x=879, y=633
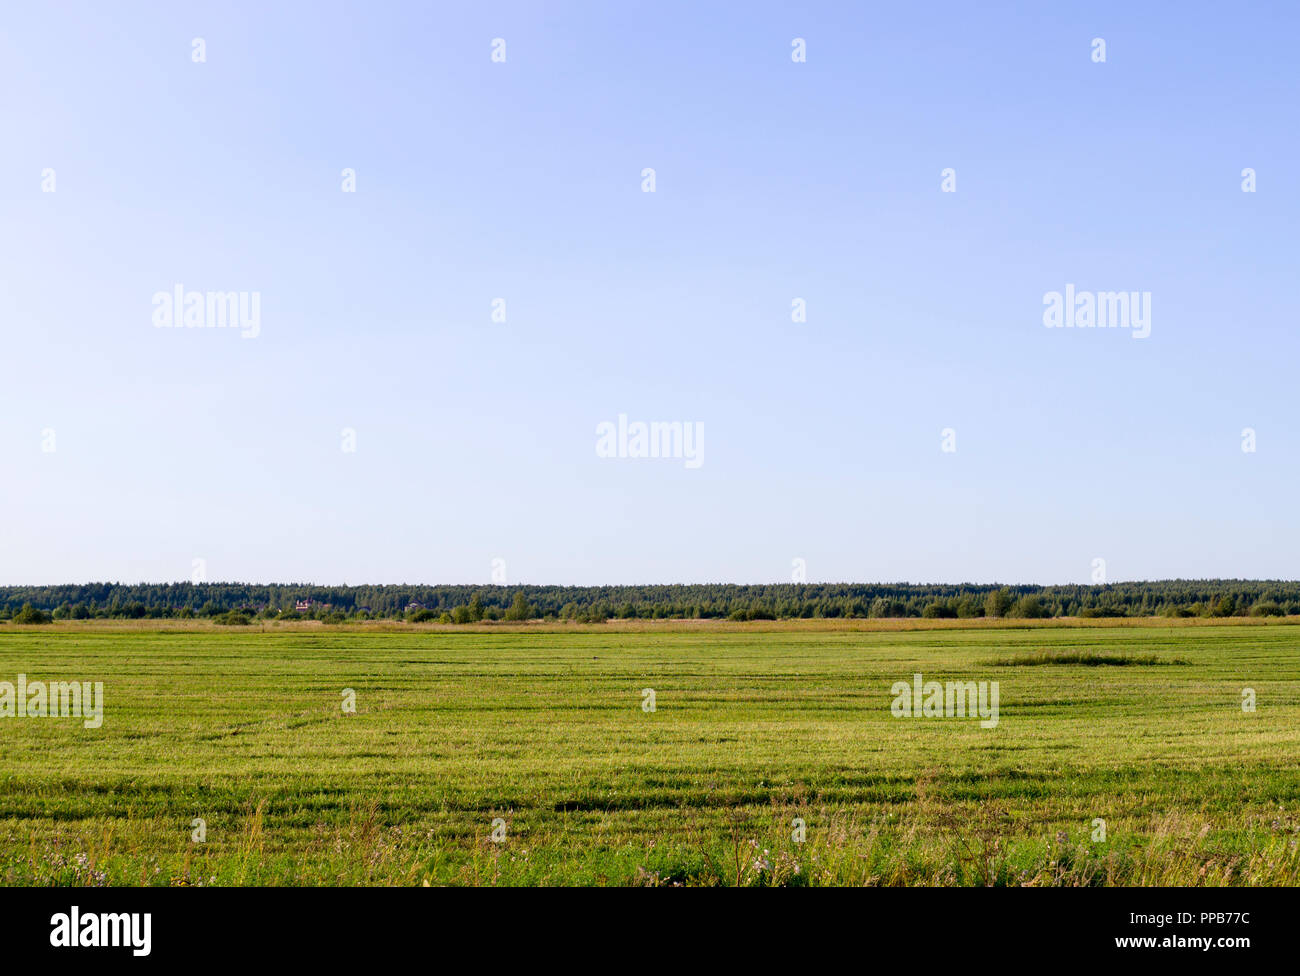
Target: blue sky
x=521, y=180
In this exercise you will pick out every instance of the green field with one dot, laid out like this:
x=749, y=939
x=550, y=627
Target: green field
x=543, y=728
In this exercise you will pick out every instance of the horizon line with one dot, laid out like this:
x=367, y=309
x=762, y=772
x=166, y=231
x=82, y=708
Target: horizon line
x=581, y=586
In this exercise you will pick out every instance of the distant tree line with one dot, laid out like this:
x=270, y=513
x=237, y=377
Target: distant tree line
x=240, y=602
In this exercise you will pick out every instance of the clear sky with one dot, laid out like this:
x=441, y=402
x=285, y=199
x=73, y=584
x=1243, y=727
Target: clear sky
x=130, y=450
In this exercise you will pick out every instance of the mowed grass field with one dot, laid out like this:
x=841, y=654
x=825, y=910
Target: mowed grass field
x=543, y=731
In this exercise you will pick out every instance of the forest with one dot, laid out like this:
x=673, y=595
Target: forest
x=238, y=602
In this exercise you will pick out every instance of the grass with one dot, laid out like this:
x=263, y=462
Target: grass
x=1090, y=659
x=542, y=730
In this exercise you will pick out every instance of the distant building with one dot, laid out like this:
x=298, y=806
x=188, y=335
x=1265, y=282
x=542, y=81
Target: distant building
x=302, y=606
x=413, y=605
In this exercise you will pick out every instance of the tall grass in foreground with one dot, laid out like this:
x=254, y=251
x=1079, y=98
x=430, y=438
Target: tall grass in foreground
x=855, y=850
